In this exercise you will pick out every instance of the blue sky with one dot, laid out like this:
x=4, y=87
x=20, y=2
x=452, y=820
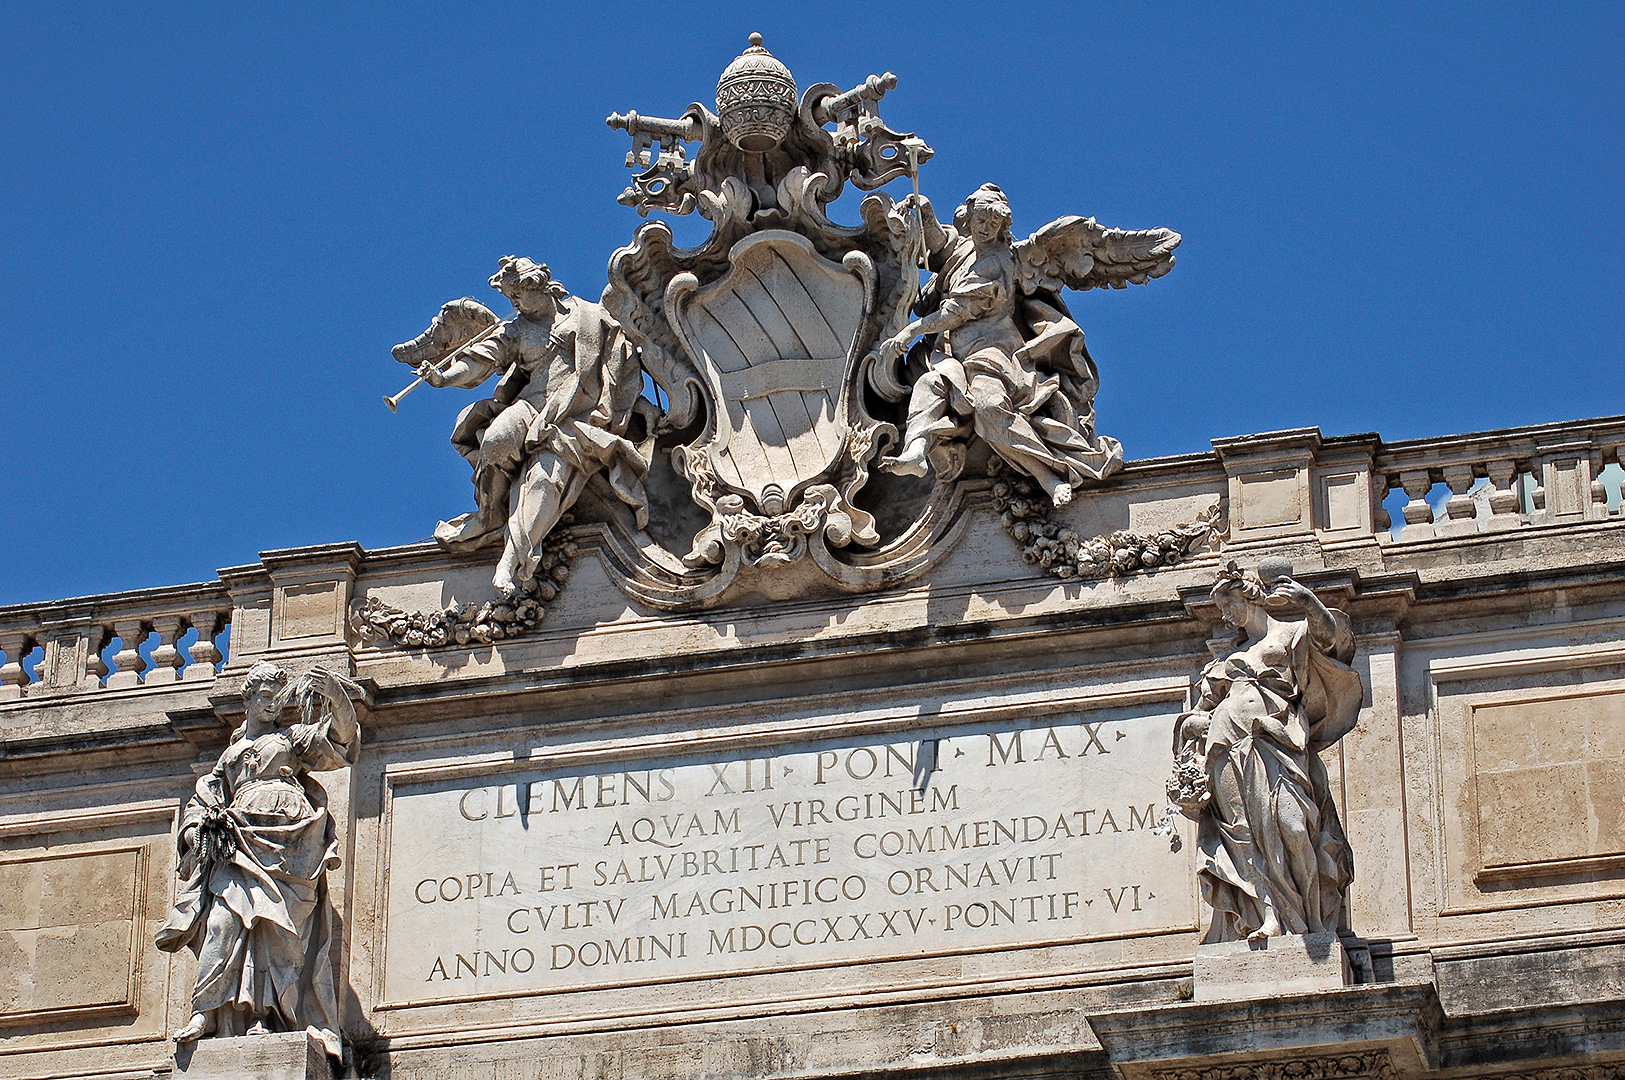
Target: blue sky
x=217, y=220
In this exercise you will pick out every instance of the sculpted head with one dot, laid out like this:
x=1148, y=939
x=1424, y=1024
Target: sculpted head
x=985, y=215
x=1236, y=593
x=265, y=690
x=529, y=285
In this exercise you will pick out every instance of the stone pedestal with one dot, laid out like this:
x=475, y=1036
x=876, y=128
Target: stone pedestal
x=285, y=1055
x=1352, y=1033
x=1287, y=964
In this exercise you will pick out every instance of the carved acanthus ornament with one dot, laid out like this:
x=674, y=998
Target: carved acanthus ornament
x=1375, y=1065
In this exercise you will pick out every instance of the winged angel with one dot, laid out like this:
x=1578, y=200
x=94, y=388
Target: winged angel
x=1003, y=357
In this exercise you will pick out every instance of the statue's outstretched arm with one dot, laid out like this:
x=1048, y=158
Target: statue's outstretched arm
x=470, y=367
x=1322, y=625
x=342, y=723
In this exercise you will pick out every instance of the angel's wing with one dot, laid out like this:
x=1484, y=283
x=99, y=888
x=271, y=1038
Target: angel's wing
x=636, y=294
x=1082, y=254
x=457, y=323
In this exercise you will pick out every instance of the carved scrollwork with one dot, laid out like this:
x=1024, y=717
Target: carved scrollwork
x=1377, y=1065
x=775, y=540
x=1573, y=1072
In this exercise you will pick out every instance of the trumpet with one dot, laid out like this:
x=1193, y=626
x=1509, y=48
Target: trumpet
x=440, y=365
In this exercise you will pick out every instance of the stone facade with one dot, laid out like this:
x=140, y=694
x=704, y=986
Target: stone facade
x=901, y=901
x=845, y=706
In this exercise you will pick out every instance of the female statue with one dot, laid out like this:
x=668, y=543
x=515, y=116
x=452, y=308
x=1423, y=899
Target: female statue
x=1273, y=858
x=256, y=843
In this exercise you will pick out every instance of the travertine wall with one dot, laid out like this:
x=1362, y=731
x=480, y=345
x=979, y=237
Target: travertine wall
x=806, y=833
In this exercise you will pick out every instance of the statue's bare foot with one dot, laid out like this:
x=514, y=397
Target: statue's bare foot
x=467, y=531
x=1271, y=928
x=911, y=462
x=506, y=585
x=1061, y=495
x=258, y=1028
x=195, y=1028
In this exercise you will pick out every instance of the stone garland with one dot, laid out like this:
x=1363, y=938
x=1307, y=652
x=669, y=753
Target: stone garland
x=1025, y=510
x=495, y=620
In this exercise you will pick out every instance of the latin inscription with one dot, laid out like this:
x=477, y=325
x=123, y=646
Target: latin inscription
x=962, y=840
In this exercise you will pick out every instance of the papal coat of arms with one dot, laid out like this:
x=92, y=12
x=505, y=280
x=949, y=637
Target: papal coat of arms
x=817, y=409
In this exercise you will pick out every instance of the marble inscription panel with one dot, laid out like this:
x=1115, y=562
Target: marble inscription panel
x=962, y=840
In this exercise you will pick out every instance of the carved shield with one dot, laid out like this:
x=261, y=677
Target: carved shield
x=776, y=339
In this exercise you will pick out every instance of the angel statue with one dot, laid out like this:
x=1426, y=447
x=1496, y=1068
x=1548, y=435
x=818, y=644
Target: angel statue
x=1003, y=357
x=256, y=844
x=560, y=414
x=1272, y=855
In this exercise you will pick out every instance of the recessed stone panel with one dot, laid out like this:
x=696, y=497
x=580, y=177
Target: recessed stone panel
x=1345, y=502
x=963, y=840
x=1548, y=779
x=1273, y=498
x=309, y=611
x=67, y=928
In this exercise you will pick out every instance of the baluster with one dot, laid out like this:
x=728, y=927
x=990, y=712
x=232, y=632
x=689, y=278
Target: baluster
x=1503, y=499
x=204, y=653
x=1599, y=490
x=1460, y=513
x=16, y=644
x=131, y=633
x=1418, y=514
x=96, y=639
x=166, y=658
x=1619, y=456
x=1380, y=487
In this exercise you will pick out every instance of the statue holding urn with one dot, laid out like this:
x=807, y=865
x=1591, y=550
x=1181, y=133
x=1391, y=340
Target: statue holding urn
x=256, y=844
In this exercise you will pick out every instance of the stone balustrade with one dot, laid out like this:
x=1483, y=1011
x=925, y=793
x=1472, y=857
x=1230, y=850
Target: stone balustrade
x=73, y=636
x=1549, y=474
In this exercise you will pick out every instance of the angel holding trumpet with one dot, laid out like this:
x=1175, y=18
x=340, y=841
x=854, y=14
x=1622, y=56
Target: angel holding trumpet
x=1003, y=358
x=560, y=414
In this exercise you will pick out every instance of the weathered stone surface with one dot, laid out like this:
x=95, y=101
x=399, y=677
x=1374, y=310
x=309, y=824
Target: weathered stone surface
x=1379, y=1031
x=1275, y=967
x=762, y=763
x=961, y=840
x=290, y=1055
